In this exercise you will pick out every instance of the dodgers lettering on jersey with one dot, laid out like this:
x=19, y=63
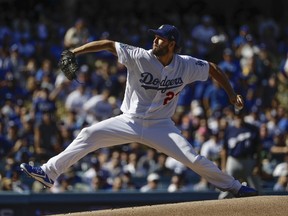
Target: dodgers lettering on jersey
x=160, y=85
x=151, y=89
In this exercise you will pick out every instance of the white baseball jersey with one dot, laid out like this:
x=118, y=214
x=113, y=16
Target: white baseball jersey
x=152, y=90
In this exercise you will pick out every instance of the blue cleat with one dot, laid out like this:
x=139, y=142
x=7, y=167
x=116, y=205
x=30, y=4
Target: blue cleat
x=38, y=174
x=246, y=192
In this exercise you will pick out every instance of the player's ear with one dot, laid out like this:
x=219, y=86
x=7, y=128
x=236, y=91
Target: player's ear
x=172, y=45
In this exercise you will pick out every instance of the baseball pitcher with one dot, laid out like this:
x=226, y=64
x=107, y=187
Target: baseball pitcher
x=155, y=78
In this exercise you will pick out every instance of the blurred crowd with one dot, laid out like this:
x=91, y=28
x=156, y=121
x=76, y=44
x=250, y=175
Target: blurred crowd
x=42, y=112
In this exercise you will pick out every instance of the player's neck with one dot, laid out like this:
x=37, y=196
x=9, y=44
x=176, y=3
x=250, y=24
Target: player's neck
x=166, y=59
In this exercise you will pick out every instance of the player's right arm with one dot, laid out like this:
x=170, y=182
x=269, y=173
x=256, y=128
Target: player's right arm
x=222, y=79
x=96, y=46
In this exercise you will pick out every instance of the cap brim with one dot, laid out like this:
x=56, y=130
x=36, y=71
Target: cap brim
x=157, y=32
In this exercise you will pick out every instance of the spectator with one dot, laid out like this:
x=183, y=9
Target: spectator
x=98, y=107
x=240, y=156
x=282, y=77
x=46, y=70
x=107, y=75
x=185, y=98
x=230, y=65
x=131, y=167
x=175, y=165
x=202, y=35
x=94, y=170
x=246, y=55
x=99, y=183
x=147, y=162
x=42, y=104
x=240, y=39
x=76, y=35
x=152, y=183
x=61, y=185
x=128, y=183
x=26, y=48
x=8, y=110
x=11, y=87
x=117, y=185
x=6, y=184
x=212, y=148
x=281, y=173
x=76, y=100
x=282, y=119
x=17, y=63
x=29, y=70
x=69, y=181
x=214, y=98
x=42, y=28
x=9, y=139
x=268, y=30
x=24, y=145
x=17, y=185
x=267, y=142
x=283, y=69
x=65, y=137
x=114, y=165
x=177, y=183
x=46, y=136
x=5, y=63
x=279, y=150
x=161, y=168
x=72, y=122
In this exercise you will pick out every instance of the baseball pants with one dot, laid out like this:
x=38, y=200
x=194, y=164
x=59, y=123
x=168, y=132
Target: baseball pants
x=161, y=135
x=242, y=168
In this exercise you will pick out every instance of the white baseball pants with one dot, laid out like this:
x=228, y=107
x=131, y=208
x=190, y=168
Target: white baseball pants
x=161, y=135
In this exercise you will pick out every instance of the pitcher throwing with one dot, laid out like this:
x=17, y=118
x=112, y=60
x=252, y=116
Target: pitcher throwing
x=154, y=80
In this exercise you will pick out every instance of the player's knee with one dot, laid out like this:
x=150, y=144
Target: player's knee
x=84, y=134
x=197, y=158
x=192, y=155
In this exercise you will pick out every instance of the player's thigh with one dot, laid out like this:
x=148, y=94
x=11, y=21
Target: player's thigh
x=113, y=131
x=169, y=140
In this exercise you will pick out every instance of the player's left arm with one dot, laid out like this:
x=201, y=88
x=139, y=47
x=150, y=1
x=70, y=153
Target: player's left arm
x=96, y=46
x=216, y=73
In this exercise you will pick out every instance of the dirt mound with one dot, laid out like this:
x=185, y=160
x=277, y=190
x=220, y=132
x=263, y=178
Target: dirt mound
x=261, y=205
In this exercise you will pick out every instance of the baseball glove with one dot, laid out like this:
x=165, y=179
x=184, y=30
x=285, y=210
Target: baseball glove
x=68, y=64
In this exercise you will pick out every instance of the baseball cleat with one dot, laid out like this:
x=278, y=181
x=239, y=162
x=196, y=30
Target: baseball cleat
x=38, y=174
x=246, y=192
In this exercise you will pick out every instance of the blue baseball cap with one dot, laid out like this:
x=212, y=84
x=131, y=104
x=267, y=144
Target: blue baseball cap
x=169, y=32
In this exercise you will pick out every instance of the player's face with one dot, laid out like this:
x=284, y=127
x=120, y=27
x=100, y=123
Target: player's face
x=160, y=46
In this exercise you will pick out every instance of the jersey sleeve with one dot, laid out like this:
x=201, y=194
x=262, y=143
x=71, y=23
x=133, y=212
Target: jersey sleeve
x=126, y=53
x=198, y=70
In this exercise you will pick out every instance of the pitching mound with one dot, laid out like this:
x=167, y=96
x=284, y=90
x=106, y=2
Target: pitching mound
x=261, y=205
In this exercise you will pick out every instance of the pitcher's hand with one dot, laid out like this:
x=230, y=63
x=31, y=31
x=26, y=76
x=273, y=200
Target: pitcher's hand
x=237, y=101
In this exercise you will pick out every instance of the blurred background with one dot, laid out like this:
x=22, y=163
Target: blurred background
x=42, y=112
